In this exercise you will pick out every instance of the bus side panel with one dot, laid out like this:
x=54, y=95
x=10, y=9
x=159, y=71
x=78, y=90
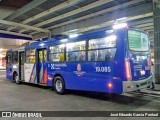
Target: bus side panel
x=83, y=76
x=42, y=67
x=22, y=72
x=95, y=76
x=45, y=73
x=15, y=68
x=30, y=73
x=52, y=73
x=9, y=74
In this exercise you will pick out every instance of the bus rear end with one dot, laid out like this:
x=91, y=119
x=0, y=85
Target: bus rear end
x=137, y=62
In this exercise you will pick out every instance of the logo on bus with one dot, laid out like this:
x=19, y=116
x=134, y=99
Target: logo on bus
x=79, y=72
x=78, y=67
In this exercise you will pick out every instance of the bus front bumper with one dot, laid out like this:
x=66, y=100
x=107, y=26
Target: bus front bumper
x=129, y=86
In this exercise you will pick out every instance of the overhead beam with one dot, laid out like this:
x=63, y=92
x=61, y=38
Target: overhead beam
x=17, y=34
x=151, y=33
x=49, y=11
x=133, y=13
x=79, y=10
x=8, y=46
x=146, y=28
x=152, y=37
x=110, y=23
x=6, y=10
x=151, y=30
x=143, y=21
x=144, y=25
x=97, y=13
x=41, y=35
x=25, y=9
x=64, y=5
x=93, y=14
x=23, y=26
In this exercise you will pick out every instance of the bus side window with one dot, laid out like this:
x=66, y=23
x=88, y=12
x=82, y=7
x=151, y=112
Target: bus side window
x=101, y=49
x=30, y=56
x=56, y=53
x=93, y=55
x=61, y=57
x=67, y=57
x=108, y=56
x=45, y=55
x=8, y=58
x=76, y=56
x=15, y=57
x=99, y=58
x=75, y=51
x=72, y=56
x=82, y=56
x=40, y=56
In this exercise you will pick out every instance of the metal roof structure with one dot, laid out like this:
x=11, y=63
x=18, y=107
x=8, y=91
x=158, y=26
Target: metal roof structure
x=41, y=18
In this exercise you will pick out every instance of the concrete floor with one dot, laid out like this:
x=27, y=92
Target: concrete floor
x=27, y=97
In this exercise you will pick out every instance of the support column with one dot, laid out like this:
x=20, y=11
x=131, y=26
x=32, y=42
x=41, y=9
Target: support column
x=156, y=19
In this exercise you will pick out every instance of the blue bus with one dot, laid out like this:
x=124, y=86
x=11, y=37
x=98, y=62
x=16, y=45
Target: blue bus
x=111, y=61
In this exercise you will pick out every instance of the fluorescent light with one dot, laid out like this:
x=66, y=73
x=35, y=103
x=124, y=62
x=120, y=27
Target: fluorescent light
x=62, y=46
x=14, y=66
x=109, y=31
x=122, y=18
x=118, y=26
x=64, y=40
x=73, y=30
x=42, y=44
x=73, y=35
x=70, y=45
x=111, y=38
x=2, y=55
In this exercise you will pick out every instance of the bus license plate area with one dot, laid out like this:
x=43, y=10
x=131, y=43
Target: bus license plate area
x=129, y=86
x=143, y=83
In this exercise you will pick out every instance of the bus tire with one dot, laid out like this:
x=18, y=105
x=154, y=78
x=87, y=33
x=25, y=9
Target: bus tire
x=59, y=85
x=16, y=78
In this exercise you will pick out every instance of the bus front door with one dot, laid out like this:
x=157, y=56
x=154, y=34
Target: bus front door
x=21, y=66
x=41, y=66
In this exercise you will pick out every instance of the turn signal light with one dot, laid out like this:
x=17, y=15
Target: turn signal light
x=110, y=85
x=128, y=70
x=149, y=63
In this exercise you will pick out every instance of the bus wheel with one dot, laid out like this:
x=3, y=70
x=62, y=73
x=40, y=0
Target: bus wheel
x=59, y=85
x=16, y=78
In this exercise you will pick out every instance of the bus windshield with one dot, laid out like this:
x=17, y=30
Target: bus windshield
x=138, y=41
